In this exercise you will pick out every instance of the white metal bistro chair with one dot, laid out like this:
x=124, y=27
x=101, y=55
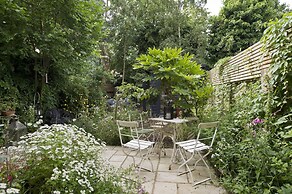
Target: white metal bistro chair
x=144, y=132
x=132, y=144
x=201, y=146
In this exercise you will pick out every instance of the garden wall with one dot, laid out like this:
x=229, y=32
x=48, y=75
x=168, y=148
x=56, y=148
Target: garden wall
x=249, y=64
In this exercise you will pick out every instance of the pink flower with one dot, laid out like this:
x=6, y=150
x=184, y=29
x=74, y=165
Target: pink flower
x=257, y=121
x=9, y=178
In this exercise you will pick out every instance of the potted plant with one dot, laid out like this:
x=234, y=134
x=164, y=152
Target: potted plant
x=7, y=107
x=181, y=79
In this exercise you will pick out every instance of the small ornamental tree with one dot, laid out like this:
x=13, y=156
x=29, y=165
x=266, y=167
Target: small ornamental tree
x=182, y=79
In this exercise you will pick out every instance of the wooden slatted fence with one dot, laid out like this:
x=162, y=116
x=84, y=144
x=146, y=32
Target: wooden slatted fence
x=252, y=63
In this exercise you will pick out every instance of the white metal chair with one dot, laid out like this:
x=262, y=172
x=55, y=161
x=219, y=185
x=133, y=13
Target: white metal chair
x=131, y=142
x=201, y=146
x=145, y=131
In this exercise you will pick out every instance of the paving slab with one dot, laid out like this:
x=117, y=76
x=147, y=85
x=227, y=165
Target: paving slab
x=164, y=187
x=164, y=180
x=201, y=189
x=148, y=186
x=171, y=177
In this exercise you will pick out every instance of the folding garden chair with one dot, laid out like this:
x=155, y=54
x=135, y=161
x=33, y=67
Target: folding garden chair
x=132, y=144
x=201, y=146
x=144, y=132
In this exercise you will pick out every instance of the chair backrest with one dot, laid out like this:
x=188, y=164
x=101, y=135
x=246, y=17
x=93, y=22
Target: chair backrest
x=143, y=121
x=127, y=129
x=212, y=128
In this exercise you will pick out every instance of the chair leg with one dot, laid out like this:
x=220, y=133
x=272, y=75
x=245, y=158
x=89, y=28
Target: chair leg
x=143, y=157
x=209, y=171
x=130, y=155
x=159, y=144
x=173, y=156
x=199, y=182
x=146, y=156
x=185, y=163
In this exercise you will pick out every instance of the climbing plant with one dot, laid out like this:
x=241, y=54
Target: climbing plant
x=277, y=41
x=254, y=149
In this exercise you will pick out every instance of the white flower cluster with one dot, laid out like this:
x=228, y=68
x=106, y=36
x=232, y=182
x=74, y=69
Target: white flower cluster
x=5, y=190
x=75, y=156
x=37, y=124
x=60, y=142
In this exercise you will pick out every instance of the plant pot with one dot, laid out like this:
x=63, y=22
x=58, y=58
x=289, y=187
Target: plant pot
x=8, y=113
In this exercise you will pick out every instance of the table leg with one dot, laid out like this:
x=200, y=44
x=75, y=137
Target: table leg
x=174, y=147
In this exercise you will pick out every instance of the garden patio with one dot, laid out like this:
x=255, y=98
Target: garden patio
x=163, y=180
x=75, y=73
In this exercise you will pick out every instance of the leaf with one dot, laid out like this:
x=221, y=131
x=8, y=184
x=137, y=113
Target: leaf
x=288, y=134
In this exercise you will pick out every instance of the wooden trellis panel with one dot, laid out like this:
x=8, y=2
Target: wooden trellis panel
x=249, y=64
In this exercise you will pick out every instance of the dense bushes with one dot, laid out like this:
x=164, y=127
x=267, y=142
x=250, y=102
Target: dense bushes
x=253, y=152
x=41, y=60
x=249, y=157
x=101, y=121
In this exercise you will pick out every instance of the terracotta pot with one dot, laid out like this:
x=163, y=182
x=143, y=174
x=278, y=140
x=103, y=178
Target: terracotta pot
x=8, y=112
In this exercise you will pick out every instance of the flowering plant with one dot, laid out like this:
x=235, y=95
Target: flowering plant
x=256, y=124
x=32, y=127
x=66, y=159
x=257, y=121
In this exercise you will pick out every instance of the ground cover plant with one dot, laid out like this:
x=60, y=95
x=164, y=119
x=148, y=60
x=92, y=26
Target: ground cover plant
x=64, y=159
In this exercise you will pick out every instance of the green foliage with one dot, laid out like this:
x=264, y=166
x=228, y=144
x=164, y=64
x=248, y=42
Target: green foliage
x=103, y=127
x=101, y=121
x=242, y=102
x=255, y=158
x=249, y=157
x=239, y=25
x=45, y=49
x=221, y=65
x=182, y=79
x=9, y=96
x=136, y=26
x=277, y=41
x=130, y=91
x=66, y=159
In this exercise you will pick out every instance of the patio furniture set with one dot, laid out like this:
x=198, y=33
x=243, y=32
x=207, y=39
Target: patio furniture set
x=137, y=141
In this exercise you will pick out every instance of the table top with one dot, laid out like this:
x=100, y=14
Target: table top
x=175, y=120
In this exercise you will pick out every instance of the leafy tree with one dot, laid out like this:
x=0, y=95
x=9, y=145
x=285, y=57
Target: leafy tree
x=239, y=25
x=182, y=79
x=45, y=48
x=136, y=26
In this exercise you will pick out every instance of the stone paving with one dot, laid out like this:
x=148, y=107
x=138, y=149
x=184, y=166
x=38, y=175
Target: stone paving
x=163, y=180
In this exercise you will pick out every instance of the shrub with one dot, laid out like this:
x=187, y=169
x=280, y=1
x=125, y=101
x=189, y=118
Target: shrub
x=66, y=159
x=250, y=157
x=101, y=122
